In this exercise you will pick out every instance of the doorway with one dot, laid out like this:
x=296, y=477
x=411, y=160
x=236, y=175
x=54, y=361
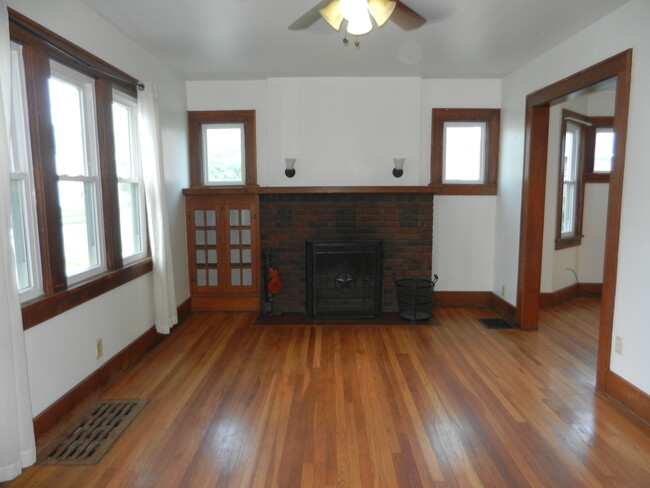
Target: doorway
x=534, y=187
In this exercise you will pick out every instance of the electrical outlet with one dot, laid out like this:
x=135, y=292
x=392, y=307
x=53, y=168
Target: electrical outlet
x=618, y=345
x=99, y=348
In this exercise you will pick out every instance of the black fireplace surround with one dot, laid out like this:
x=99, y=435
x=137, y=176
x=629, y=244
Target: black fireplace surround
x=344, y=279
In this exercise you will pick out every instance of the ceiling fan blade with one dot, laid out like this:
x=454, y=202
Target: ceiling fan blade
x=310, y=17
x=407, y=18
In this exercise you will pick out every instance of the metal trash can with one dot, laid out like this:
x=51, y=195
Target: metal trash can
x=415, y=297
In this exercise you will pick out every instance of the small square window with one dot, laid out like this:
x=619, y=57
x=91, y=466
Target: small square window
x=224, y=154
x=465, y=151
x=604, y=150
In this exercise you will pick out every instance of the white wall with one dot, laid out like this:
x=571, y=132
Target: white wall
x=346, y=131
x=625, y=28
x=61, y=351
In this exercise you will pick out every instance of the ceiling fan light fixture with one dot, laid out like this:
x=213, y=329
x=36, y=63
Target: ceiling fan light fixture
x=381, y=10
x=353, y=10
x=332, y=14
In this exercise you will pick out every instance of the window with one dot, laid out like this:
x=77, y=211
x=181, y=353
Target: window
x=129, y=177
x=604, y=150
x=465, y=151
x=77, y=206
x=23, y=204
x=222, y=148
x=569, y=225
x=72, y=108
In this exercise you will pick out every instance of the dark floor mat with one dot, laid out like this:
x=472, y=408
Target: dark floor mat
x=385, y=319
x=94, y=436
x=497, y=324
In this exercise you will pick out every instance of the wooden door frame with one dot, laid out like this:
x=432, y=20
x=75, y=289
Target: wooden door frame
x=534, y=189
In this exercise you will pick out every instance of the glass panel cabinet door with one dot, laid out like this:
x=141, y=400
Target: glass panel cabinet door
x=223, y=245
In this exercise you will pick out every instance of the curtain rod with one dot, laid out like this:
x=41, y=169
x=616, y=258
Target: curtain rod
x=62, y=50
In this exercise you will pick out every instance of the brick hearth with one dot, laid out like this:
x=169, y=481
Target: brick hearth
x=402, y=221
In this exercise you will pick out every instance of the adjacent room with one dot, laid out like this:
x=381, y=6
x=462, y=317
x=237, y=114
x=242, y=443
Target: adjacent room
x=347, y=243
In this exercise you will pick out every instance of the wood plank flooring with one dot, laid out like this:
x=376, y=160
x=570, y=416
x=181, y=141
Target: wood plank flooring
x=451, y=405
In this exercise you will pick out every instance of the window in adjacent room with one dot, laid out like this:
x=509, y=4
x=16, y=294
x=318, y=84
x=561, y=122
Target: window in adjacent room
x=222, y=148
x=465, y=151
x=569, y=227
x=129, y=178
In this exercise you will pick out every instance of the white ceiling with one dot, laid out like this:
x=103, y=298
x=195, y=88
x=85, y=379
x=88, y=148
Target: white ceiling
x=249, y=39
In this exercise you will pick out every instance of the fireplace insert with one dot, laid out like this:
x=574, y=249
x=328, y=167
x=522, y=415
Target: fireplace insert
x=344, y=279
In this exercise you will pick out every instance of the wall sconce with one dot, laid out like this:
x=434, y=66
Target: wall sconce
x=399, y=167
x=290, y=172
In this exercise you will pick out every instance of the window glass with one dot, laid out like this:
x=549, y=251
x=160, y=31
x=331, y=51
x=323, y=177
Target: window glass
x=464, y=152
x=129, y=176
x=224, y=154
x=75, y=141
x=570, y=179
x=604, y=150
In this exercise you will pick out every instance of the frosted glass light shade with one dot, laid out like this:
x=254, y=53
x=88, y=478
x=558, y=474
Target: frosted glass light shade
x=332, y=14
x=381, y=10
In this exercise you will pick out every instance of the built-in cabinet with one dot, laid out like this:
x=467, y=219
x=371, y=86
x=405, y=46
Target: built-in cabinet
x=223, y=248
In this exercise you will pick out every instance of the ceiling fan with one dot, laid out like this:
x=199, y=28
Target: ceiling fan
x=358, y=13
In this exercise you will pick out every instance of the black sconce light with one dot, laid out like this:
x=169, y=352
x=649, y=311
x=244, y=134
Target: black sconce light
x=398, y=171
x=290, y=172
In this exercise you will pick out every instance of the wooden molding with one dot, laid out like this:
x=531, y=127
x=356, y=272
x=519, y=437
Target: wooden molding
x=104, y=376
x=558, y=296
x=502, y=307
x=47, y=306
x=474, y=299
x=635, y=400
x=226, y=304
x=533, y=194
x=288, y=190
x=565, y=294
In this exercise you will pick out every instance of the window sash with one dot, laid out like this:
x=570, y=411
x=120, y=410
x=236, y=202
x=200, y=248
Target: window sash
x=131, y=194
x=232, y=154
x=75, y=136
x=570, y=176
x=463, y=152
x=24, y=231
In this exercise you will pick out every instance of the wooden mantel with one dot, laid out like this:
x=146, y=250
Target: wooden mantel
x=266, y=190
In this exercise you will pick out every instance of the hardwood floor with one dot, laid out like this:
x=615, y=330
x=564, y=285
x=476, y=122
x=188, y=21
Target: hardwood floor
x=452, y=405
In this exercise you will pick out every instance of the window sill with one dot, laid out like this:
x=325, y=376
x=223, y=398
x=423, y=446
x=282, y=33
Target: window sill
x=45, y=307
x=461, y=189
x=568, y=242
x=595, y=178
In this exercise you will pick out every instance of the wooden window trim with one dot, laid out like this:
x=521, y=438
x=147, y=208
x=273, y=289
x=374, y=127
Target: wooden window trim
x=576, y=239
x=492, y=119
x=196, y=119
x=58, y=296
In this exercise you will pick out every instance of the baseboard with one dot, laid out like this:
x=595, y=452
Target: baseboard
x=565, y=294
x=628, y=395
x=103, y=377
x=503, y=308
x=474, y=299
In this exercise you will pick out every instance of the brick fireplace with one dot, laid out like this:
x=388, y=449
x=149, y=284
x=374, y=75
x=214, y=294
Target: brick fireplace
x=403, y=221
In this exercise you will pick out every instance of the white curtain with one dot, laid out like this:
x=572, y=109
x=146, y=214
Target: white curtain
x=154, y=183
x=17, y=445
